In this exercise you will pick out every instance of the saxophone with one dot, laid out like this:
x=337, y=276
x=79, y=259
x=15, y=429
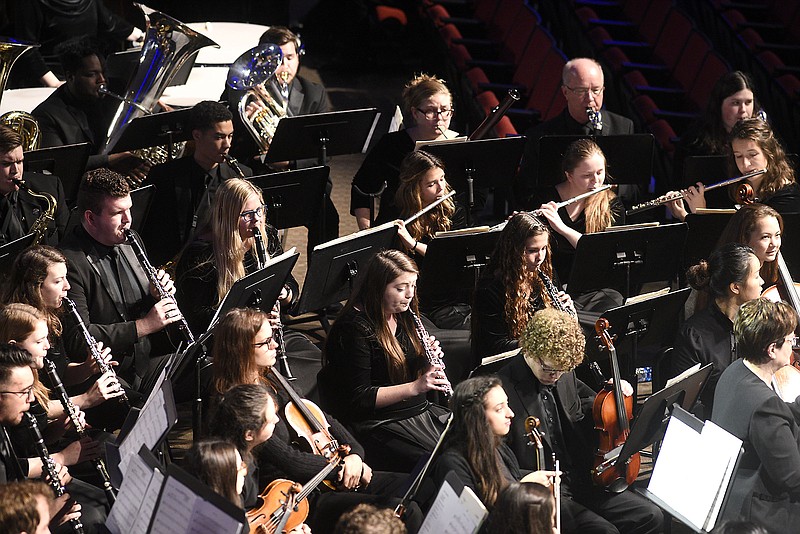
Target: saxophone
x=48, y=216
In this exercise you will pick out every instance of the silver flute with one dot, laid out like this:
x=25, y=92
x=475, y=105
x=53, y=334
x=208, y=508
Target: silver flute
x=49, y=466
x=433, y=359
x=152, y=275
x=91, y=343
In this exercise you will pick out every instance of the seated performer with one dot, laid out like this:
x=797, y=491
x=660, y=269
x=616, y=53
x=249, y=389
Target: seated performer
x=224, y=253
x=474, y=448
x=518, y=281
x=25, y=507
x=525, y=507
x=753, y=146
x=761, y=228
x=766, y=484
x=19, y=209
x=422, y=182
x=112, y=293
x=540, y=382
x=428, y=102
x=185, y=187
x=730, y=277
x=376, y=376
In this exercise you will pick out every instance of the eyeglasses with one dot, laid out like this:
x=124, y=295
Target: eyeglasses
x=794, y=341
x=431, y=113
x=265, y=342
x=24, y=394
x=550, y=370
x=583, y=91
x=250, y=215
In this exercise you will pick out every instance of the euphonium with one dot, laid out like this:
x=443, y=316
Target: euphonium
x=254, y=73
x=169, y=43
x=21, y=122
x=48, y=215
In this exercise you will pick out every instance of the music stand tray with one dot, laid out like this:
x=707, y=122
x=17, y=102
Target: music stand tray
x=154, y=130
x=11, y=250
x=293, y=198
x=68, y=162
x=625, y=259
x=333, y=266
x=629, y=158
x=322, y=135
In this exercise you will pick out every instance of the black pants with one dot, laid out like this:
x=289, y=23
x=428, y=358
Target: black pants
x=600, y=512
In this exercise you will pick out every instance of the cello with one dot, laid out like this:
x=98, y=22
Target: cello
x=612, y=412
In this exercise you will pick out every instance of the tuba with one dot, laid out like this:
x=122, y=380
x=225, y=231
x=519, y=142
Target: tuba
x=168, y=45
x=254, y=73
x=21, y=122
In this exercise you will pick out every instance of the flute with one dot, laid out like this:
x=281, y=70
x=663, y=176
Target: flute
x=49, y=466
x=429, y=207
x=669, y=197
x=91, y=343
x=72, y=411
x=559, y=205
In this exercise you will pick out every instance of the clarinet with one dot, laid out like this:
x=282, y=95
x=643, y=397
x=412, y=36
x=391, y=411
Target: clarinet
x=234, y=164
x=424, y=337
x=49, y=467
x=552, y=292
x=91, y=343
x=72, y=411
x=152, y=275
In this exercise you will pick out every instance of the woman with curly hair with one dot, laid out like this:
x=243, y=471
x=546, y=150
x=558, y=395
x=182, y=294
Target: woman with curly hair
x=513, y=286
x=429, y=104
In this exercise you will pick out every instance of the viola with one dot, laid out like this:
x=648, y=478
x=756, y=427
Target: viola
x=284, y=504
x=612, y=412
x=786, y=379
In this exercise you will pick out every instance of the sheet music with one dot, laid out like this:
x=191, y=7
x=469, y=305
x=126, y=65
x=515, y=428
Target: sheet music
x=181, y=510
x=133, y=508
x=726, y=442
x=348, y=237
x=454, y=514
x=151, y=424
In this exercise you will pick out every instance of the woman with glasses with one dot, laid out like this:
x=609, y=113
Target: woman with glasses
x=730, y=277
x=428, y=107
x=766, y=485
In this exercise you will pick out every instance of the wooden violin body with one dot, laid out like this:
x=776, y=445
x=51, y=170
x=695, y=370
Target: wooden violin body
x=276, y=498
x=317, y=436
x=786, y=379
x=612, y=413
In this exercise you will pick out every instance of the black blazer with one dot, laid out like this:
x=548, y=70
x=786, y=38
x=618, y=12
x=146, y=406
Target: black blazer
x=168, y=224
x=32, y=207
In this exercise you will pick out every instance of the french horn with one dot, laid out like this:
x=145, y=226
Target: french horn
x=20, y=121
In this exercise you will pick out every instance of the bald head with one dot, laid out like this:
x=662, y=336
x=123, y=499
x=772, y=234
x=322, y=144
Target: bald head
x=580, y=79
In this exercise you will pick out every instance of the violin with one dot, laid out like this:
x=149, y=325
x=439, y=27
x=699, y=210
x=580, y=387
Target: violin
x=786, y=379
x=284, y=504
x=535, y=439
x=612, y=413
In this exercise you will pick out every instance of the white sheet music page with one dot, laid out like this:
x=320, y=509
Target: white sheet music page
x=136, y=499
x=183, y=511
x=151, y=424
x=454, y=514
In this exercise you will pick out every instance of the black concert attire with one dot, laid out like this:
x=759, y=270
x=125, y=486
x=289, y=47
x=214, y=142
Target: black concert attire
x=51, y=22
x=382, y=164
x=565, y=415
x=66, y=120
x=111, y=291
x=563, y=124
x=196, y=281
x=182, y=204
x=395, y=437
x=19, y=210
x=785, y=199
x=766, y=485
x=706, y=337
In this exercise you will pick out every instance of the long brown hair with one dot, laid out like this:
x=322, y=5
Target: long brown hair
x=740, y=229
x=234, y=361
x=382, y=270
x=25, y=284
x=408, y=198
x=213, y=462
x=17, y=322
x=508, y=262
x=597, y=207
x=229, y=248
x=779, y=173
x=471, y=435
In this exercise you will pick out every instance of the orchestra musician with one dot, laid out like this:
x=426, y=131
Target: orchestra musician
x=524, y=507
x=753, y=146
x=730, y=277
x=766, y=485
x=376, y=377
x=512, y=286
x=540, y=381
x=761, y=228
x=25, y=507
x=219, y=465
x=474, y=448
x=428, y=102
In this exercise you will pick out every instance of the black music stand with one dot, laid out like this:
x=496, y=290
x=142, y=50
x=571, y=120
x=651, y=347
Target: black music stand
x=704, y=232
x=452, y=265
x=155, y=129
x=68, y=162
x=624, y=259
x=790, y=248
x=629, y=157
x=490, y=162
x=333, y=266
x=708, y=170
x=293, y=198
x=11, y=250
x=141, y=198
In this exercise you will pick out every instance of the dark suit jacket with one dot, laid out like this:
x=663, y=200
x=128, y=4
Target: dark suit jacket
x=32, y=207
x=168, y=224
x=575, y=397
x=66, y=121
x=96, y=295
